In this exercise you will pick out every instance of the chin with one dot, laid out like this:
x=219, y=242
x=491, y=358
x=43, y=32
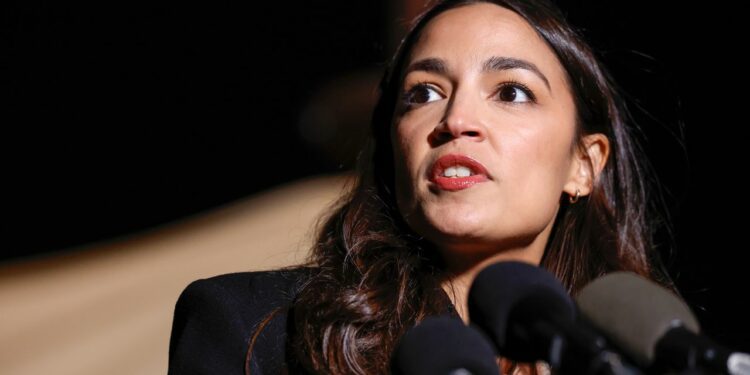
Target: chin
x=457, y=228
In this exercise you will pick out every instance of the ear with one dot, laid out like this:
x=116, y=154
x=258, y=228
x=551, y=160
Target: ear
x=587, y=164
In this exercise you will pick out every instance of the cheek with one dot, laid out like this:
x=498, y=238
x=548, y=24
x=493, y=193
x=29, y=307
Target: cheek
x=400, y=157
x=540, y=165
x=550, y=155
x=406, y=154
x=404, y=167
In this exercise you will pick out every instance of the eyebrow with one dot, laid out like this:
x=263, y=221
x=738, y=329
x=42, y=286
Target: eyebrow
x=493, y=64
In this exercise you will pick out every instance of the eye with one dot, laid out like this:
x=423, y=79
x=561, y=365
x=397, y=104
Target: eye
x=511, y=92
x=421, y=93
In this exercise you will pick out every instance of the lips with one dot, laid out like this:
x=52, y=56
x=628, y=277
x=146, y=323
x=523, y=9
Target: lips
x=478, y=172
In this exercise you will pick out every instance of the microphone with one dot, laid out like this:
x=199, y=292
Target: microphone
x=442, y=345
x=529, y=316
x=653, y=326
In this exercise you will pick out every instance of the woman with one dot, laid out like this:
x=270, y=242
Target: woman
x=497, y=136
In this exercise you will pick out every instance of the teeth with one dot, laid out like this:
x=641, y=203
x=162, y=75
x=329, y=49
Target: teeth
x=463, y=171
x=457, y=171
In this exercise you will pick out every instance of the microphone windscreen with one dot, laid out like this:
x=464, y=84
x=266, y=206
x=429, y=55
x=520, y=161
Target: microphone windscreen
x=506, y=292
x=633, y=313
x=443, y=345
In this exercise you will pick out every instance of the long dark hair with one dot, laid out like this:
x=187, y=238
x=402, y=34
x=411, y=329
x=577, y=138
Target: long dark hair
x=374, y=277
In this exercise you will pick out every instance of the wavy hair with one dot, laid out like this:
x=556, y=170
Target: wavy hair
x=374, y=277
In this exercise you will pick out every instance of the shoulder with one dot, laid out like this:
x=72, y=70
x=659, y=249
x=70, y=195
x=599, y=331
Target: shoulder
x=214, y=320
x=242, y=297
x=247, y=289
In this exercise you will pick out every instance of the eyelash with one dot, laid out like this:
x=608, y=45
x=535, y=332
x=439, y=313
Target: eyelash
x=407, y=95
x=526, y=90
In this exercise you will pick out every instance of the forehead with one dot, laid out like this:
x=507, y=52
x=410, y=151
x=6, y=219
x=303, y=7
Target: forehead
x=468, y=35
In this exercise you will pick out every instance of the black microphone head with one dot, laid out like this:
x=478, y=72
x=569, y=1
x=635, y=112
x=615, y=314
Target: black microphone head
x=633, y=313
x=442, y=345
x=507, y=298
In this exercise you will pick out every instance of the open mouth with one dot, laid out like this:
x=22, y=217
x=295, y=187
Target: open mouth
x=457, y=172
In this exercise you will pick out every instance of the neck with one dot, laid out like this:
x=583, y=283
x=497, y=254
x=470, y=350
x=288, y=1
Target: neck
x=462, y=272
x=465, y=261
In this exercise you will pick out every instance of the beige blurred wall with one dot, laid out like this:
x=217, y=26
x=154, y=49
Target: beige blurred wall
x=107, y=308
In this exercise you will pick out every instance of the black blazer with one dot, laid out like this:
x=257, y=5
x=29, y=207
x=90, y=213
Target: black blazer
x=214, y=319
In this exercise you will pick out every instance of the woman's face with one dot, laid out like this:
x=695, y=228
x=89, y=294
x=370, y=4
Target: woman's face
x=483, y=140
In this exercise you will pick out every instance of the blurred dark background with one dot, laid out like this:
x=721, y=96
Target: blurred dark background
x=123, y=116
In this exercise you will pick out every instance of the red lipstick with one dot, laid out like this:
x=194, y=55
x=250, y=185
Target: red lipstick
x=437, y=172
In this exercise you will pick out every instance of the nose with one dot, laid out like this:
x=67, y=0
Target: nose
x=462, y=120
